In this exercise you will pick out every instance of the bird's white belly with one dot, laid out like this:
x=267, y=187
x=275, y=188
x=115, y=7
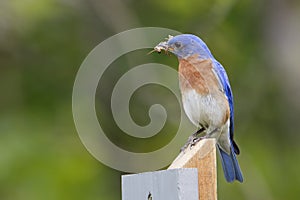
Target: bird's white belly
x=203, y=110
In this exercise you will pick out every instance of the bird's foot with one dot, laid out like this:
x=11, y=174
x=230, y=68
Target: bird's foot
x=192, y=141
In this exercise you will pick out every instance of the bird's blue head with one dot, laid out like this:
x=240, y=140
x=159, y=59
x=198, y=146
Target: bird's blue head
x=185, y=45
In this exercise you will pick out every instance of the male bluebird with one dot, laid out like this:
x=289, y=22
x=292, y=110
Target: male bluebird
x=206, y=96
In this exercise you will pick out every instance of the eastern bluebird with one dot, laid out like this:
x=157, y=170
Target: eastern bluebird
x=206, y=96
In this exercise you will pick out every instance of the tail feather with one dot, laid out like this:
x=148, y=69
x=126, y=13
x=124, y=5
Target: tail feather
x=230, y=166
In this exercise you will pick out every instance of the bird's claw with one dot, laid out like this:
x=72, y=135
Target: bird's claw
x=196, y=140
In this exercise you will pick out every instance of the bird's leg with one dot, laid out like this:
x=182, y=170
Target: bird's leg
x=198, y=132
x=193, y=139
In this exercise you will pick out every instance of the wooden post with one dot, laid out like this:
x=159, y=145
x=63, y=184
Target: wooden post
x=203, y=157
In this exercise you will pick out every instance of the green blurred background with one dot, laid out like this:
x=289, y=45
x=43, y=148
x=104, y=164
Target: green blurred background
x=44, y=42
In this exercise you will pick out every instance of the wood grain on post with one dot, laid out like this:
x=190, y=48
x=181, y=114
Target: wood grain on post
x=203, y=157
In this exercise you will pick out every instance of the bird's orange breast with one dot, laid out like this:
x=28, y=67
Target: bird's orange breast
x=198, y=75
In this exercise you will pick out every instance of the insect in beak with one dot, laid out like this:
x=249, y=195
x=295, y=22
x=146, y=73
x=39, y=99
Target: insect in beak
x=162, y=46
x=158, y=48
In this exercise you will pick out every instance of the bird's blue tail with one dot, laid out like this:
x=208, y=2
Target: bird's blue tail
x=230, y=166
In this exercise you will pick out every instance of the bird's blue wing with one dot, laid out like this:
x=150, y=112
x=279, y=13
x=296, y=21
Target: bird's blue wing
x=224, y=81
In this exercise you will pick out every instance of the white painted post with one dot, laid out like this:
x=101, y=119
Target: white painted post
x=172, y=184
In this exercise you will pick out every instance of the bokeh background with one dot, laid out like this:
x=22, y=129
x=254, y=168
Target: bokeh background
x=43, y=43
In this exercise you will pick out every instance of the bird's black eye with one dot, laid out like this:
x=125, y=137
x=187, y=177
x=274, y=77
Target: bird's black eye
x=177, y=44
